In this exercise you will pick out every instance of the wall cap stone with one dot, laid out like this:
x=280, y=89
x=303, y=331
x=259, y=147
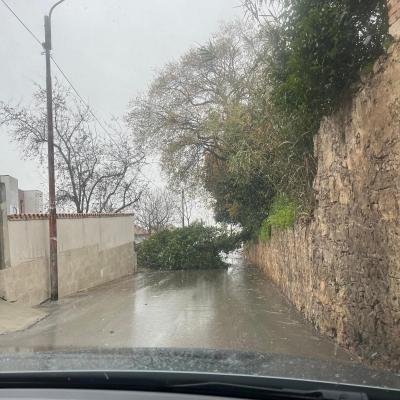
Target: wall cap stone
x=41, y=216
x=394, y=18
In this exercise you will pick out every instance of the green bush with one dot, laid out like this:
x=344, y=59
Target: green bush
x=312, y=58
x=265, y=231
x=322, y=48
x=282, y=216
x=193, y=247
x=312, y=55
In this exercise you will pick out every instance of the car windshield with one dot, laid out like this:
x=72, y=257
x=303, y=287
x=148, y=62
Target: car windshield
x=208, y=186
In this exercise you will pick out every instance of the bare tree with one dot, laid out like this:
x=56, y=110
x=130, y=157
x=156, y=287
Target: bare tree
x=94, y=173
x=156, y=210
x=187, y=204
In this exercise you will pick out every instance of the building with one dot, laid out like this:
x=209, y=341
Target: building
x=30, y=201
x=21, y=201
x=11, y=189
x=140, y=234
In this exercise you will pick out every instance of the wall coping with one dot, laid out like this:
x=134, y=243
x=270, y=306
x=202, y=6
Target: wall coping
x=30, y=217
x=394, y=18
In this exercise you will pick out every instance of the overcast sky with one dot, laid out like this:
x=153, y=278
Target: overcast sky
x=110, y=49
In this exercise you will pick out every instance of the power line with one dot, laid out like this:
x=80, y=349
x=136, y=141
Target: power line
x=22, y=23
x=58, y=67
x=77, y=93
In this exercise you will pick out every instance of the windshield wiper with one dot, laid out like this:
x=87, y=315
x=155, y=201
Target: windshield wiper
x=234, y=386
x=231, y=389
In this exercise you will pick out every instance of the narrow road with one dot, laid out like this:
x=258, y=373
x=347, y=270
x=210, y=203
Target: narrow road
x=236, y=309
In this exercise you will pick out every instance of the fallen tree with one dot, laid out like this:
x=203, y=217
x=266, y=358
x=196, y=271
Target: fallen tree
x=193, y=247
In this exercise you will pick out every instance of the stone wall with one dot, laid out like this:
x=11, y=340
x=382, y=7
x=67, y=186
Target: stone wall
x=92, y=250
x=394, y=18
x=343, y=269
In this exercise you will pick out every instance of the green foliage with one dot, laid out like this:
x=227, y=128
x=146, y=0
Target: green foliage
x=311, y=56
x=321, y=48
x=193, y=247
x=265, y=231
x=240, y=114
x=237, y=201
x=282, y=215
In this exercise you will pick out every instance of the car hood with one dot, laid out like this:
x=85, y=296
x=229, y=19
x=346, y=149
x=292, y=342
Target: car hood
x=196, y=360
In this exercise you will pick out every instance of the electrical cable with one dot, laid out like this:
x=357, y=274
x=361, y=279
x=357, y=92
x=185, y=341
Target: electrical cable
x=57, y=66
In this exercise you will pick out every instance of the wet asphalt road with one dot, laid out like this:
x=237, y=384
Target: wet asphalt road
x=236, y=309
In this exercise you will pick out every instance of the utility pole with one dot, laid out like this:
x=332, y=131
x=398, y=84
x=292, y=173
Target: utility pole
x=183, y=208
x=50, y=157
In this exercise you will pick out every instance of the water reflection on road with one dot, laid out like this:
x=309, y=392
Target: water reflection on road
x=237, y=308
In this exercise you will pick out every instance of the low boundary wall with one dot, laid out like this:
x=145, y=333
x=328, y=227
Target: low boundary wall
x=92, y=249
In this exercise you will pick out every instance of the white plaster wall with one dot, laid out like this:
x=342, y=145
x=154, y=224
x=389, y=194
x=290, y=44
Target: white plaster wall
x=91, y=251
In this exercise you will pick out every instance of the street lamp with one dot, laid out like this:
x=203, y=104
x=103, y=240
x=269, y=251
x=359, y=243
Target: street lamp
x=50, y=156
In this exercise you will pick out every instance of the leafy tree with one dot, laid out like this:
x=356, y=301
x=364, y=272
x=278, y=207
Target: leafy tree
x=238, y=116
x=183, y=113
x=237, y=201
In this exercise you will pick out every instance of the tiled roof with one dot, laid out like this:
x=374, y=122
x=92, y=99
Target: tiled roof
x=139, y=230
x=24, y=217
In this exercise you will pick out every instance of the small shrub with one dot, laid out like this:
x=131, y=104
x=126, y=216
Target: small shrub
x=193, y=247
x=265, y=230
x=282, y=216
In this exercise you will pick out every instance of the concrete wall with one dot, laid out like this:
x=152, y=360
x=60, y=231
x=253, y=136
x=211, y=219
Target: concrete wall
x=343, y=269
x=4, y=244
x=92, y=250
